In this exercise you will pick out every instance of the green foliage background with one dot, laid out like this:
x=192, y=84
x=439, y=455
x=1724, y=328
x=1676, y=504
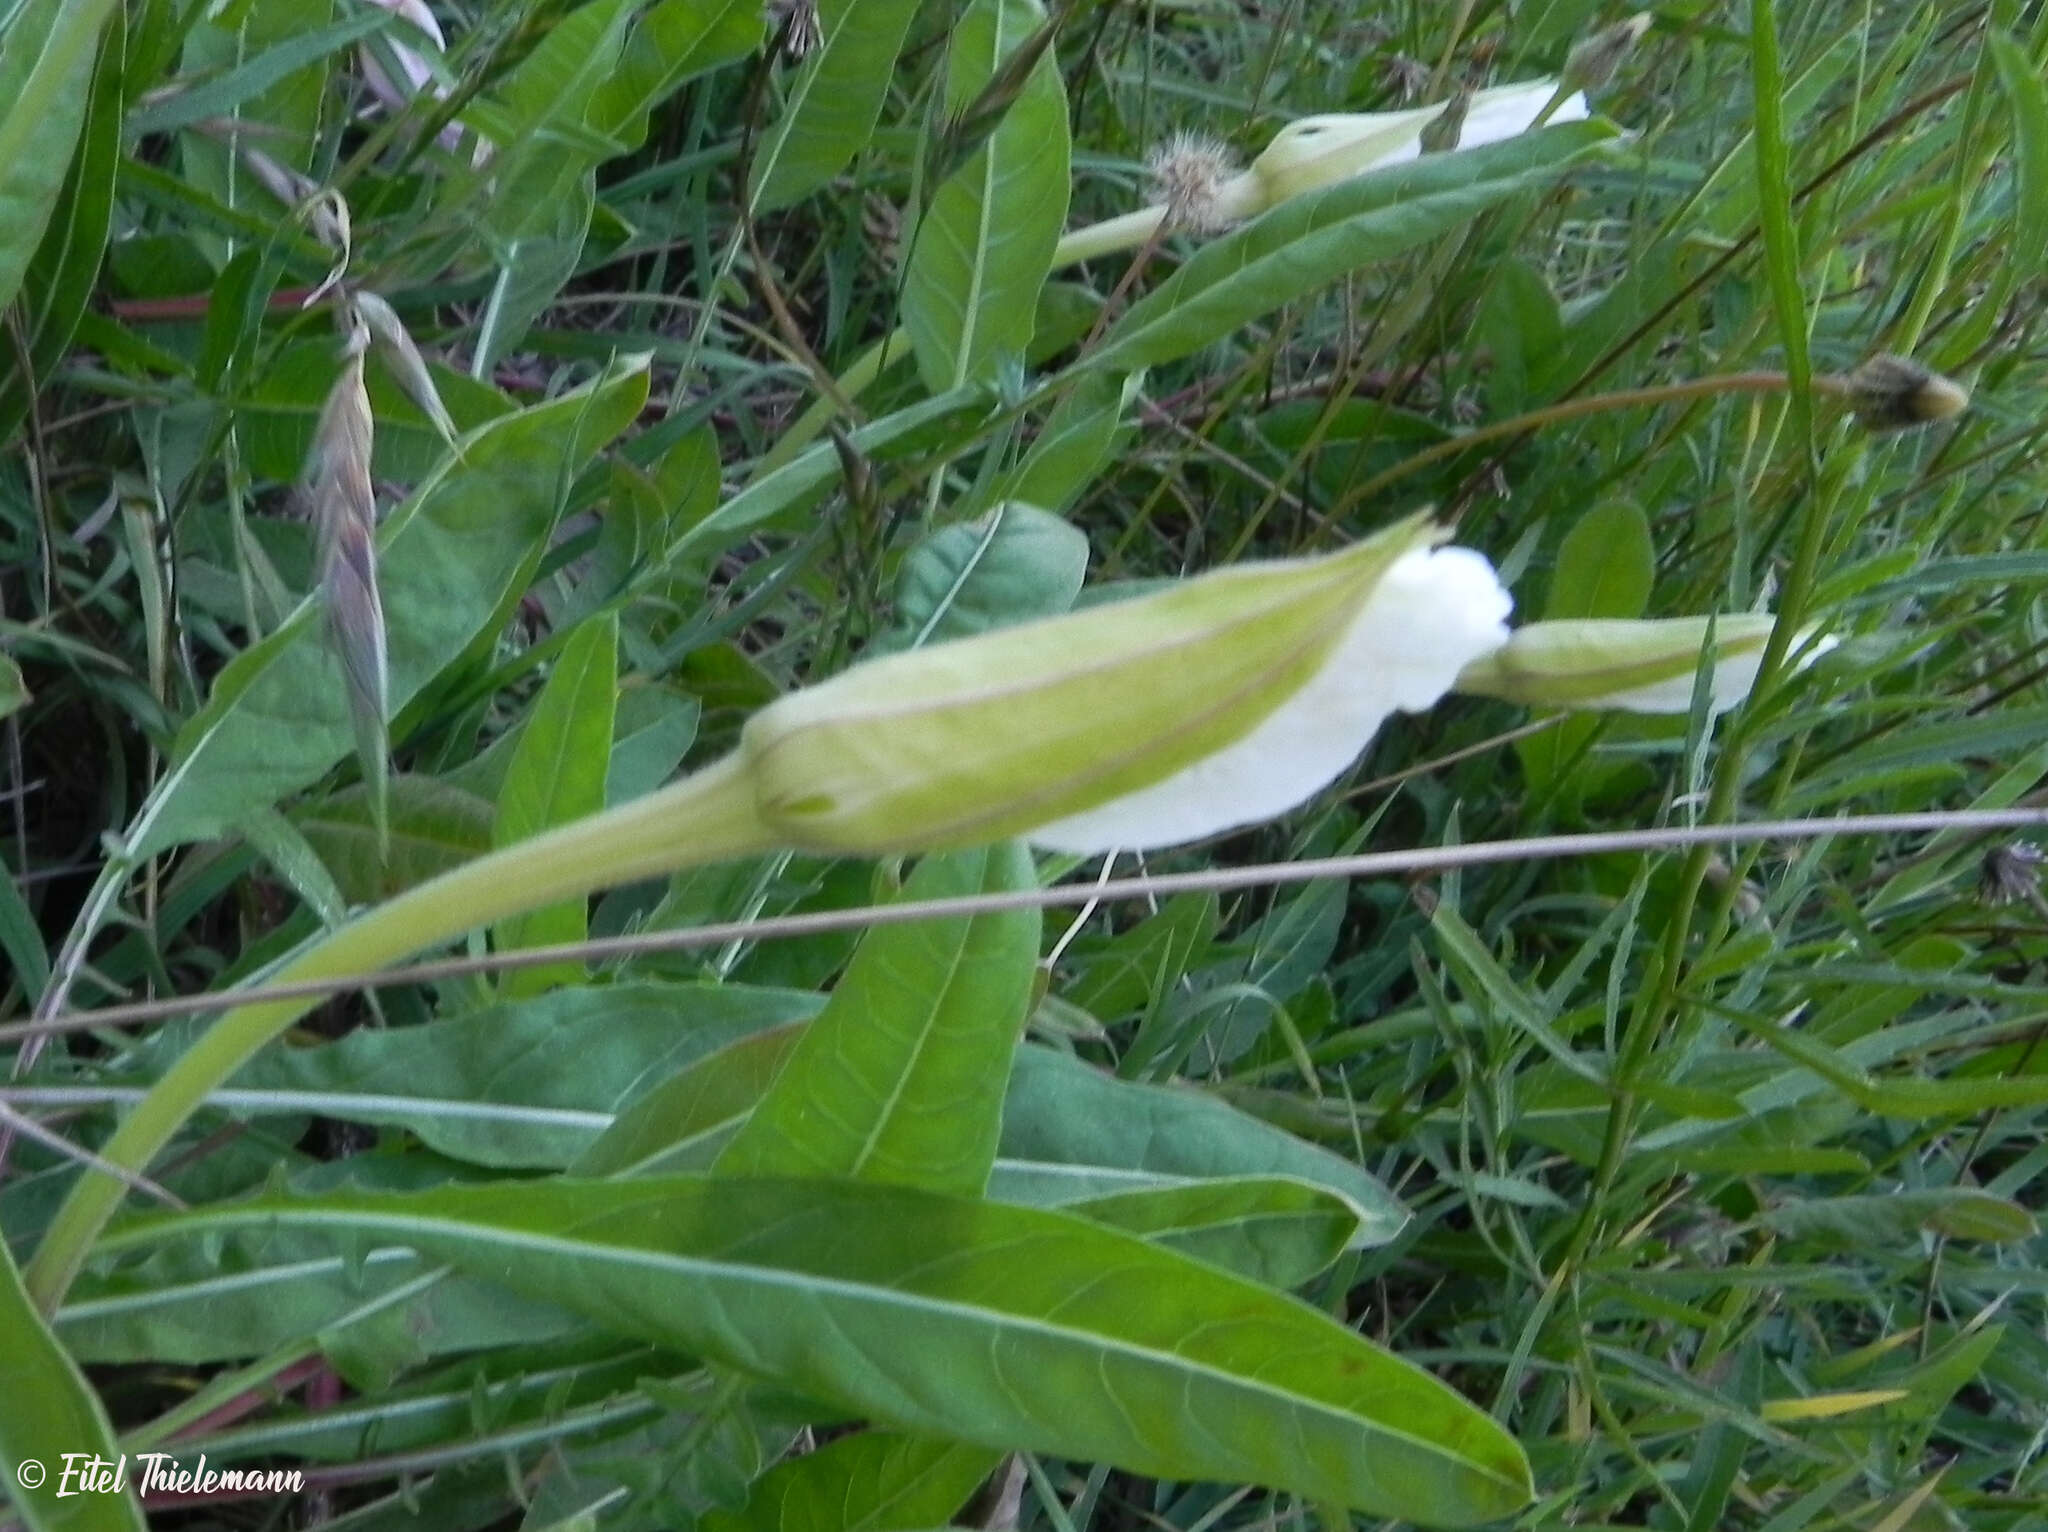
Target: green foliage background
x=1704, y=1177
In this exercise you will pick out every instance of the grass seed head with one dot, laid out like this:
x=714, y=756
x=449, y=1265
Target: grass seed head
x=1895, y=393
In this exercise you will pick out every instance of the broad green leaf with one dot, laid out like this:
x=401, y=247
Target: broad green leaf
x=983, y=249
x=834, y=101
x=1605, y=567
x=1276, y=1231
x=13, y=689
x=276, y=422
x=1310, y=241
x=1856, y=1222
x=197, y=1302
x=900, y=1077
x=434, y=825
x=1075, y=444
x=2028, y=97
x=665, y=1075
x=452, y=558
x=672, y=42
x=653, y=731
x=46, y=69
x=1012, y=564
x=1061, y=1111
x=524, y=1082
x=1004, y=1326
x=49, y=1416
x=59, y=279
x=21, y=939
x=686, y=1121
x=558, y=774
x=222, y=94
x=873, y=1481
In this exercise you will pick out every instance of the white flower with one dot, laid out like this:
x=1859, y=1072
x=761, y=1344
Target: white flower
x=1433, y=612
x=1165, y=718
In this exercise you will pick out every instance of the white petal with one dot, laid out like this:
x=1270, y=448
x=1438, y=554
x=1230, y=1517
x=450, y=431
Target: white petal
x=1734, y=678
x=1500, y=113
x=1433, y=613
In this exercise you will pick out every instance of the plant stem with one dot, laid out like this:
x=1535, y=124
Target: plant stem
x=1127, y=232
x=707, y=817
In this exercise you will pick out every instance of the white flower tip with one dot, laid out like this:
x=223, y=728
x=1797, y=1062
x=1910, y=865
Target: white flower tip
x=1433, y=612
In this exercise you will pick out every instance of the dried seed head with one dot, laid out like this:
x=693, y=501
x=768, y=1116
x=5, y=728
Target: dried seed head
x=1407, y=77
x=2011, y=874
x=394, y=343
x=1593, y=64
x=344, y=510
x=798, y=24
x=1189, y=172
x=281, y=181
x=1895, y=393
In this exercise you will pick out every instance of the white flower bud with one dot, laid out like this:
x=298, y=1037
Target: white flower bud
x=1631, y=667
x=1149, y=722
x=1316, y=152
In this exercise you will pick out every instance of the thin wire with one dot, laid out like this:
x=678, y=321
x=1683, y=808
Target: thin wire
x=1369, y=864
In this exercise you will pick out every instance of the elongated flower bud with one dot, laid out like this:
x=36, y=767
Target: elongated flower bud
x=1149, y=722
x=1632, y=667
x=1315, y=152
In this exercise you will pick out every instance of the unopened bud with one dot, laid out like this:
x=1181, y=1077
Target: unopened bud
x=1593, y=64
x=1149, y=722
x=1444, y=131
x=1895, y=393
x=1633, y=667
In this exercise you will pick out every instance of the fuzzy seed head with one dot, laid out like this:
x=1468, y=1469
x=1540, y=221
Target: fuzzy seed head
x=1189, y=172
x=2011, y=874
x=1895, y=393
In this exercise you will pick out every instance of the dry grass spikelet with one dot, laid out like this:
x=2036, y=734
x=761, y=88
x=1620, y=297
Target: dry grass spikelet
x=344, y=511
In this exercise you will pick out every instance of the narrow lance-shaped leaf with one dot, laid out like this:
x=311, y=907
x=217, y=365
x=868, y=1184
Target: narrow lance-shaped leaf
x=49, y=1416
x=58, y=281
x=557, y=775
x=833, y=102
x=1006, y=1326
x=983, y=249
x=900, y=1078
x=46, y=61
